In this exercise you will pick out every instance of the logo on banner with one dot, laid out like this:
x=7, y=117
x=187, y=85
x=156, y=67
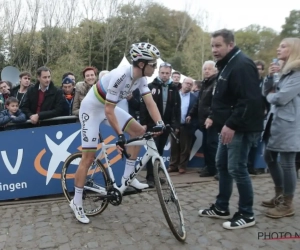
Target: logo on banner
x=59, y=153
x=197, y=144
x=13, y=169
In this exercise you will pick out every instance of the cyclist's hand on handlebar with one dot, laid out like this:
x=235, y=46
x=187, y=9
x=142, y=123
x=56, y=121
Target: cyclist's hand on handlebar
x=159, y=128
x=145, y=128
x=120, y=143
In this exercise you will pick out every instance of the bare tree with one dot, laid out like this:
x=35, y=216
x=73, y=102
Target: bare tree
x=51, y=20
x=14, y=25
x=186, y=21
x=196, y=50
x=92, y=10
x=34, y=7
x=70, y=60
x=203, y=22
x=72, y=15
x=113, y=26
x=130, y=18
x=71, y=19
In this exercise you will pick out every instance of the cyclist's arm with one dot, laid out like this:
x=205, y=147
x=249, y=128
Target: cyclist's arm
x=113, y=91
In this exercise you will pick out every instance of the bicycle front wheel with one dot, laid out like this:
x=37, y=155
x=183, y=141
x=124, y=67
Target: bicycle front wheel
x=96, y=177
x=169, y=201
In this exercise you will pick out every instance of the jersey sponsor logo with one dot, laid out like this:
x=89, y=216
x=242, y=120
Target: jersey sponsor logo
x=117, y=83
x=84, y=117
x=112, y=92
x=124, y=94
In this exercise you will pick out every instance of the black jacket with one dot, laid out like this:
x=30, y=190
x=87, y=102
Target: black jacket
x=14, y=93
x=193, y=125
x=237, y=101
x=202, y=107
x=134, y=104
x=52, y=105
x=173, y=109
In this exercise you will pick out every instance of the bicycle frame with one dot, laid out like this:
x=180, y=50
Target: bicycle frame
x=150, y=153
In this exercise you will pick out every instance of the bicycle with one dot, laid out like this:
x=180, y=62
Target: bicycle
x=109, y=192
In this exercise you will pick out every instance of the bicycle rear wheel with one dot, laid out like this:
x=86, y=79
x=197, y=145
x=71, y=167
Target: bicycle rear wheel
x=96, y=177
x=169, y=201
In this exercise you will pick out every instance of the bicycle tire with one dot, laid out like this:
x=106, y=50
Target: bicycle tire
x=179, y=233
x=65, y=167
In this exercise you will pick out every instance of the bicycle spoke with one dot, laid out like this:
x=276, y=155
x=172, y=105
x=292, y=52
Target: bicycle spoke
x=96, y=178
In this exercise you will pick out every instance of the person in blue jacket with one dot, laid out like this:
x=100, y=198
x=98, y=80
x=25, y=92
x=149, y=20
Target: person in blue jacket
x=12, y=113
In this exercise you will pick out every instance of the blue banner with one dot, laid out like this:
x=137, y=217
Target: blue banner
x=31, y=159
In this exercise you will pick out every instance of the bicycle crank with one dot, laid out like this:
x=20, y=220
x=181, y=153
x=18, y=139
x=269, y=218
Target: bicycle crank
x=114, y=197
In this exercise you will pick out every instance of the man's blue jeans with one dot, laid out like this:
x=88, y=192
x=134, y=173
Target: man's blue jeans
x=231, y=162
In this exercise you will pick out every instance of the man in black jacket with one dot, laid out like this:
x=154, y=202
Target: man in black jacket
x=43, y=100
x=237, y=113
x=167, y=99
x=202, y=110
x=134, y=104
x=20, y=90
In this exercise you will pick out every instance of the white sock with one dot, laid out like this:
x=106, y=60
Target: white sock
x=78, y=196
x=129, y=168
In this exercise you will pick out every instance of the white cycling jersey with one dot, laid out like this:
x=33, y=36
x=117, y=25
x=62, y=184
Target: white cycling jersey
x=118, y=85
x=112, y=88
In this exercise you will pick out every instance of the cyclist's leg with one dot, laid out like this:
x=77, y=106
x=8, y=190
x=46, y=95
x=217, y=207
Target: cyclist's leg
x=129, y=125
x=134, y=129
x=90, y=116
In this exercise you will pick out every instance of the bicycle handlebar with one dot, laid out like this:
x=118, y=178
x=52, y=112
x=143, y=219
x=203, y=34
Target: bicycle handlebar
x=149, y=135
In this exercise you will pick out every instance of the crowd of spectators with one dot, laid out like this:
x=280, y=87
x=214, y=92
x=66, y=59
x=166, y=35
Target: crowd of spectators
x=34, y=104
x=232, y=105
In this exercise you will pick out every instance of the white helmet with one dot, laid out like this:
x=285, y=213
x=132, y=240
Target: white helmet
x=144, y=51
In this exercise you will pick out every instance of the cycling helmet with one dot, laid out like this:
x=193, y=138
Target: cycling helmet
x=144, y=51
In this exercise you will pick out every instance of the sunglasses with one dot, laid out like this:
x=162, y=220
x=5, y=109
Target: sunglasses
x=165, y=65
x=154, y=65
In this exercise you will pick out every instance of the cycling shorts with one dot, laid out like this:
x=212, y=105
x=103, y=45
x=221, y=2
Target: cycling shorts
x=92, y=114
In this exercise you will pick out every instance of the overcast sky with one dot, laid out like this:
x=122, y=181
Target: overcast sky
x=234, y=14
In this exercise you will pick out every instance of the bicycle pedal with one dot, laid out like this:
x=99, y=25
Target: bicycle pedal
x=131, y=190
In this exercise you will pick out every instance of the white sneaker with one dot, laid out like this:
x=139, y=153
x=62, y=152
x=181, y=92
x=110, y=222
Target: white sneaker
x=135, y=183
x=79, y=213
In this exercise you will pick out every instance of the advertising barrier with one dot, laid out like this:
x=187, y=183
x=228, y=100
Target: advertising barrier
x=31, y=159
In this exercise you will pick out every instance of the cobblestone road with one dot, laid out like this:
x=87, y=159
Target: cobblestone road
x=51, y=225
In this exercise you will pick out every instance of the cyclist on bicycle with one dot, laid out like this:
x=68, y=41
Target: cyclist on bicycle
x=103, y=101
